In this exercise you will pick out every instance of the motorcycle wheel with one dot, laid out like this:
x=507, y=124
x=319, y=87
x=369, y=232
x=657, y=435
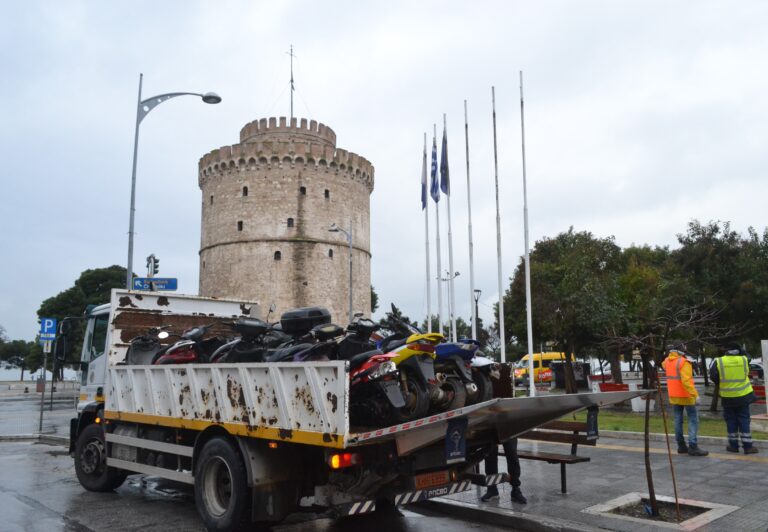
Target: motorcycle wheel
x=455, y=395
x=416, y=399
x=484, y=388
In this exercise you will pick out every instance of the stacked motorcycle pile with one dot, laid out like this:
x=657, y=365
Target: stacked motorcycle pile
x=395, y=376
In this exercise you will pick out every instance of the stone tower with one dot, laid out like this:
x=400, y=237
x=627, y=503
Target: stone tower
x=267, y=205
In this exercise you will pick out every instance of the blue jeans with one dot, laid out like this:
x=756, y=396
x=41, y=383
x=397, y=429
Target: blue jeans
x=737, y=422
x=693, y=424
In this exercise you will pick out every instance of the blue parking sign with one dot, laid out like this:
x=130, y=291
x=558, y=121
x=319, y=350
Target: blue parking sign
x=47, y=328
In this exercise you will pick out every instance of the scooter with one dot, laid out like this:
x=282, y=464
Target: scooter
x=413, y=359
x=483, y=370
x=192, y=347
x=453, y=367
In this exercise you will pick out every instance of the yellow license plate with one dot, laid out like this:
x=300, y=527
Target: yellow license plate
x=430, y=480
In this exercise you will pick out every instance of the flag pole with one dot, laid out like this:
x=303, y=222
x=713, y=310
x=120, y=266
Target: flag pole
x=425, y=205
x=532, y=388
x=469, y=228
x=446, y=181
x=502, y=337
x=437, y=230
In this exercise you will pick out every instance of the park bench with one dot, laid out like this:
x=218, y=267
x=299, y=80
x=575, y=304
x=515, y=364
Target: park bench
x=572, y=432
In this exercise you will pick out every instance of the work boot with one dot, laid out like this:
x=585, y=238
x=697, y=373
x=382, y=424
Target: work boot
x=695, y=450
x=749, y=450
x=518, y=497
x=682, y=448
x=732, y=449
x=492, y=493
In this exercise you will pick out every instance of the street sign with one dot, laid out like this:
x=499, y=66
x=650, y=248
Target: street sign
x=47, y=328
x=156, y=283
x=47, y=346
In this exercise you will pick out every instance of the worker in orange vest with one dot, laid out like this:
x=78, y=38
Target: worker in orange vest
x=683, y=397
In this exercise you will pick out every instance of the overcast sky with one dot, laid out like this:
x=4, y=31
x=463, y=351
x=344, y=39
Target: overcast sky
x=639, y=117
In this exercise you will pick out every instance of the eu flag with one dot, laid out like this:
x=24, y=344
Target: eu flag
x=434, y=189
x=445, y=184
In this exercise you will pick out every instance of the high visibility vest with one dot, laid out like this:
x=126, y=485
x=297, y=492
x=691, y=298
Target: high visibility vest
x=734, y=376
x=675, y=386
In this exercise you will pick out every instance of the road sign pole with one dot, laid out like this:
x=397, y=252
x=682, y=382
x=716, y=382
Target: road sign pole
x=46, y=348
x=53, y=380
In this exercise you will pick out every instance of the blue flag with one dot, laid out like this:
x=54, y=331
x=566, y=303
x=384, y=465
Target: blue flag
x=434, y=189
x=424, y=178
x=445, y=184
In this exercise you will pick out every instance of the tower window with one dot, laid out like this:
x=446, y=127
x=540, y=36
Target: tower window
x=240, y=226
x=245, y=191
x=303, y=191
x=211, y=199
x=330, y=253
x=290, y=222
x=278, y=255
x=327, y=194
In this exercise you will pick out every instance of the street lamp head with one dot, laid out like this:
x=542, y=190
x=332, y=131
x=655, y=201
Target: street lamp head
x=333, y=228
x=211, y=97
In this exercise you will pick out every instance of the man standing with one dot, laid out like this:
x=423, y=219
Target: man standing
x=683, y=398
x=513, y=468
x=731, y=373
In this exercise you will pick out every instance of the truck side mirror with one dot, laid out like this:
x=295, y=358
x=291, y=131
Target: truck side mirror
x=61, y=349
x=65, y=327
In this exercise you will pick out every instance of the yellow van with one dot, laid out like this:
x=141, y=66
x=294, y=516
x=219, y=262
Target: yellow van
x=542, y=366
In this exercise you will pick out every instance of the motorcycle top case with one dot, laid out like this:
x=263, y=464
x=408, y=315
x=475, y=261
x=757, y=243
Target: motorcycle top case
x=301, y=320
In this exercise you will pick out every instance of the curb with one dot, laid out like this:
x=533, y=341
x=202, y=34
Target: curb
x=505, y=518
x=43, y=438
x=656, y=436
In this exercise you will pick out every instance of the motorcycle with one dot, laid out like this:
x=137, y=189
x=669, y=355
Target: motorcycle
x=192, y=347
x=452, y=367
x=483, y=370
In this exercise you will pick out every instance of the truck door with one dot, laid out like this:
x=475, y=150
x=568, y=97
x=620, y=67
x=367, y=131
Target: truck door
x=93, y=361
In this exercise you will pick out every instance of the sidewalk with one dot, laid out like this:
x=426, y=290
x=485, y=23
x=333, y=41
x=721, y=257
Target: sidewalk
x=617, y=468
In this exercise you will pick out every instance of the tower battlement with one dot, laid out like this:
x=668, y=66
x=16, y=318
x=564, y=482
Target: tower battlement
x=266, y=143
x=276, y=129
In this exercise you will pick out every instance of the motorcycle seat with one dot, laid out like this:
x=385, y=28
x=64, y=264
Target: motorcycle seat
x=286, y=354
x=360, y=359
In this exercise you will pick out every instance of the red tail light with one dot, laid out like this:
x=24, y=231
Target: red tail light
x=424, y=348
x=341, y=460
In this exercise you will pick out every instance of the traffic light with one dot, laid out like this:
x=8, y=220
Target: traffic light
x=153, y=265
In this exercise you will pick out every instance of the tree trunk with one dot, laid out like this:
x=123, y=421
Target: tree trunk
x=616, y=367
x=704, y=368
x=715, y=397
x=570, y=378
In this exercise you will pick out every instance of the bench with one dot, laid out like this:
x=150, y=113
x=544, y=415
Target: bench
x=573, y=432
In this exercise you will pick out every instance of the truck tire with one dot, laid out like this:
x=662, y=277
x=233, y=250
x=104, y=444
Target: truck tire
x=90, y=461
x=455, y=394
x=222, y=495
x=416, y=398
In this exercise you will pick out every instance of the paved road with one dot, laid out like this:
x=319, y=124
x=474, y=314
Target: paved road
x=39, y=492
x=20, y=413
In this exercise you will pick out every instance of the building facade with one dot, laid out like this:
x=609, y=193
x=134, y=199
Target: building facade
x=267, y=205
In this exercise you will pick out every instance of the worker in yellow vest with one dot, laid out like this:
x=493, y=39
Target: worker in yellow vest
x=683, y=398
x=731, y=372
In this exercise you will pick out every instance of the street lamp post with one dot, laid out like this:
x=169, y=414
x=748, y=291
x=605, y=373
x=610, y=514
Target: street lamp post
x=143, y=108
x=336, y=229
x=474, y=324
x=447, y=280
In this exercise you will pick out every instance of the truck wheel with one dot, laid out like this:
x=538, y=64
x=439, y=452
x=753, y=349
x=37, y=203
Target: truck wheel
x=221, y=489
x=455, y=394
x=91, y=461
x=416, y=399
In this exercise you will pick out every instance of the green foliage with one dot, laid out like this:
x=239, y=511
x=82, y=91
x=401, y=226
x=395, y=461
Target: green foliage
x=590, y=296
x=93, y=287
x=374, y=300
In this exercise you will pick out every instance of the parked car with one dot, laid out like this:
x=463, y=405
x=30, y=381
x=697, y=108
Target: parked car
x=756, y=371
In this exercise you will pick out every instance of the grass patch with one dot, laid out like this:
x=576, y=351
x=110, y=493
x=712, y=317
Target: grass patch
x=633, y=422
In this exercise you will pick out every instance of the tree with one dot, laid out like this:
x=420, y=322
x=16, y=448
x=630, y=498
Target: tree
x=572, y=277
x=392, y=319
x=93, y=287
x=374, y=300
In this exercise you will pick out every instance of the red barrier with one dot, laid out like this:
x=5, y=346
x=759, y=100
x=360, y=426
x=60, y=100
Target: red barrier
x=613, y=387
x=759, y=393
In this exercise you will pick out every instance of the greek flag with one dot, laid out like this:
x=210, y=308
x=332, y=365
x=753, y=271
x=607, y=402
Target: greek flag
x=445, y=184
x=424, y=178
x=434, y=190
